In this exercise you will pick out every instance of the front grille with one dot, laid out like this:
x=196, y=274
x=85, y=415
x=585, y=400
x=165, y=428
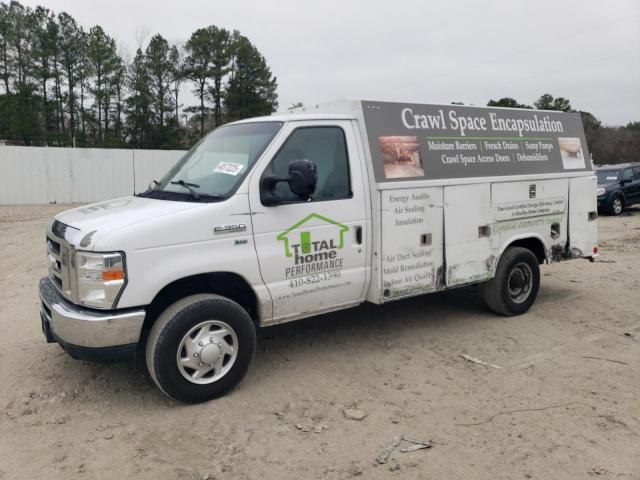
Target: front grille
x=53, y=246
x=58, y=254
x=55, y=264
x=54, y=250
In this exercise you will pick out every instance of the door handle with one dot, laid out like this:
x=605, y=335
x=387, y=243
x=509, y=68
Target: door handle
x=359, y=235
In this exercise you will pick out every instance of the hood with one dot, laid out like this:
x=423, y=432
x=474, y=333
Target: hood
x=102, y=218
x=608, y=183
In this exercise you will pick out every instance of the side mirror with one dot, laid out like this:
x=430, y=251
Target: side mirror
x=624, y=181
x=302, y=180
x=303, y=177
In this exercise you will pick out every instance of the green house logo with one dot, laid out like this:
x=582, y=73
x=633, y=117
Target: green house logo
x=299, y=241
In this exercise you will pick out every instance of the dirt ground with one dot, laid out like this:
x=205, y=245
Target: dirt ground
x=565, y=403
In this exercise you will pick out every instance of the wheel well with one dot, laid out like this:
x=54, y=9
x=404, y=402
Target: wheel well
x=620, y=194
x=229, y=285
x=534, y=244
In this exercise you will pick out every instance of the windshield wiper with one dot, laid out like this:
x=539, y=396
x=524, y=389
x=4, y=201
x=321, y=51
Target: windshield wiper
x=188, y=186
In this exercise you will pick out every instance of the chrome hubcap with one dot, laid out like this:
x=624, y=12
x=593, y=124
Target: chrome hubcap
x=210, y=354
x=207, y=352
x=520, y=282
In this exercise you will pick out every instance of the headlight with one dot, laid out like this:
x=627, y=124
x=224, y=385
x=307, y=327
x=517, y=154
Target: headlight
x=101, y=277
x=600, y=191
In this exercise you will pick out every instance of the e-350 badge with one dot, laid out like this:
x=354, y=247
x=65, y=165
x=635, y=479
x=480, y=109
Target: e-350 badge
x=230, y=227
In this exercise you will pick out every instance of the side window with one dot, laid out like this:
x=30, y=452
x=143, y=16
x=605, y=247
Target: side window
x=637, y=172
x=327, y=148
x=627, y=174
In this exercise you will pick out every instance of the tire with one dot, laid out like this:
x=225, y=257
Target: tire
x=516, y=283
x=198, y=329
x=616, y=205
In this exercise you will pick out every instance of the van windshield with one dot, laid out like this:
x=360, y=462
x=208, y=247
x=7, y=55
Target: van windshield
x=215, y=166
x=607, y=176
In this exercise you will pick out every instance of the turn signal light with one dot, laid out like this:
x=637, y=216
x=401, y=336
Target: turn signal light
x=112, y=275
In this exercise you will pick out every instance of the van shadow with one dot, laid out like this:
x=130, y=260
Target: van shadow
x=127, y=384
x=422, y=316
x=423, y=311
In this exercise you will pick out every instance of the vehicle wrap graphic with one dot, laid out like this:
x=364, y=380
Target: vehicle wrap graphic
x=410, y=141
x=313, y=250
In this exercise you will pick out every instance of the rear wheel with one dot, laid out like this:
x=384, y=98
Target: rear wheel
x=200, y=348
x=516, y=283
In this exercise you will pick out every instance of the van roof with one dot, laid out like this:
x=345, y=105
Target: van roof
x=347, y=105
x=292, y=117
x=339, y=110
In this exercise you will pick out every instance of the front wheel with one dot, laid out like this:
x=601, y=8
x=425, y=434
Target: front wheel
x=616, y=205
x=200, y=348
x=516, y=283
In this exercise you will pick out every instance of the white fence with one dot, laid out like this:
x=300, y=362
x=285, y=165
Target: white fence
x=78, y=175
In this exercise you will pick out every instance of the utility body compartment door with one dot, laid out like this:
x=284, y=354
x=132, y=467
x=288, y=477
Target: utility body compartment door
x=526, y=209
x=467, y=233
x=412, y=241
x=583, y=225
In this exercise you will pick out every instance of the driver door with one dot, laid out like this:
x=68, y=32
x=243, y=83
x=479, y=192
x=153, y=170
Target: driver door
x=312, y=252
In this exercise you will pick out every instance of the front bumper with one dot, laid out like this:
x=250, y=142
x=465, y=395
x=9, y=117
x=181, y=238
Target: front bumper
x=88, y=334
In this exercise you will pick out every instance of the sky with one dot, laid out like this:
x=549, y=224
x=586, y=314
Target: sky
x=419, y=51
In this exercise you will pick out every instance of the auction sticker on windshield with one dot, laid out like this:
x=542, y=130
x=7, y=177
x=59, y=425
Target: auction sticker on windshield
x=229, y=168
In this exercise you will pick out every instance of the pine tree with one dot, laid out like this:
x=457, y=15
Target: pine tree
x=545, y=102
x=5, y=56
x=159, y=72
x=252, y=87
x=199, y=67
x=507, y=102
x=56, y=70
x=58, y=82
x=221, y=46
x=70, y=41
x=84, y=75
x=139, y=102
x=44, y=38
x=101, y=53
x=176, y=59
x=118, y=82
x=19, y=42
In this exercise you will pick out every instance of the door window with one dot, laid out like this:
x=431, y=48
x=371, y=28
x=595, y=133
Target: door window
x=627, y=174
x=327, y=148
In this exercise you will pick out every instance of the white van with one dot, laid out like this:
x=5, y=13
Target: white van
x=273, y=219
